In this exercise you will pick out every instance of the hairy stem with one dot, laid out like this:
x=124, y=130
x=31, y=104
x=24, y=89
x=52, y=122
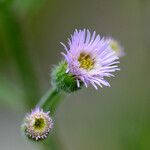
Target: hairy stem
x=51, y=100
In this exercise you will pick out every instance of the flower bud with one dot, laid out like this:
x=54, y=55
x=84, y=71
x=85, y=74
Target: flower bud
x=64, y=80
x=117, y=47
x=38, y=124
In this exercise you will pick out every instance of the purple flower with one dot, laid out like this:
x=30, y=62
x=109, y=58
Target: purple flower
x=38, y=124
x=117, y=47
x=90, y=58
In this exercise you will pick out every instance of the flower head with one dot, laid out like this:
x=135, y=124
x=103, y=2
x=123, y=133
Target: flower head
x=117, y=47
x=90, y=58
x=38, y=124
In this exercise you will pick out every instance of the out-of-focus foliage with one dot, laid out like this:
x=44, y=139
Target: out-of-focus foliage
x=11, y=94
x=27, y=6
x=13, y=46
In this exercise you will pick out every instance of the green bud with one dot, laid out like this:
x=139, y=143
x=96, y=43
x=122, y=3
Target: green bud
x=64, y=81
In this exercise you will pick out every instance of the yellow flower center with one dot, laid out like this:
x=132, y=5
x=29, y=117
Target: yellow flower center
x=86, y=62
x=114, y=46
x=39, y=124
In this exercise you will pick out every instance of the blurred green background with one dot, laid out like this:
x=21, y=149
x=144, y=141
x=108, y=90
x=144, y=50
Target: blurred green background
x=116, y=118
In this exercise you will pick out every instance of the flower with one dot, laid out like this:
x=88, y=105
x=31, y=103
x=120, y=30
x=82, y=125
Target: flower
x=90, y=58
x=38, y=124
x=117, y=47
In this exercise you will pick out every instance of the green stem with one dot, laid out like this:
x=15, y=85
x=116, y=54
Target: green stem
x=51, y=100
x=54, y=142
